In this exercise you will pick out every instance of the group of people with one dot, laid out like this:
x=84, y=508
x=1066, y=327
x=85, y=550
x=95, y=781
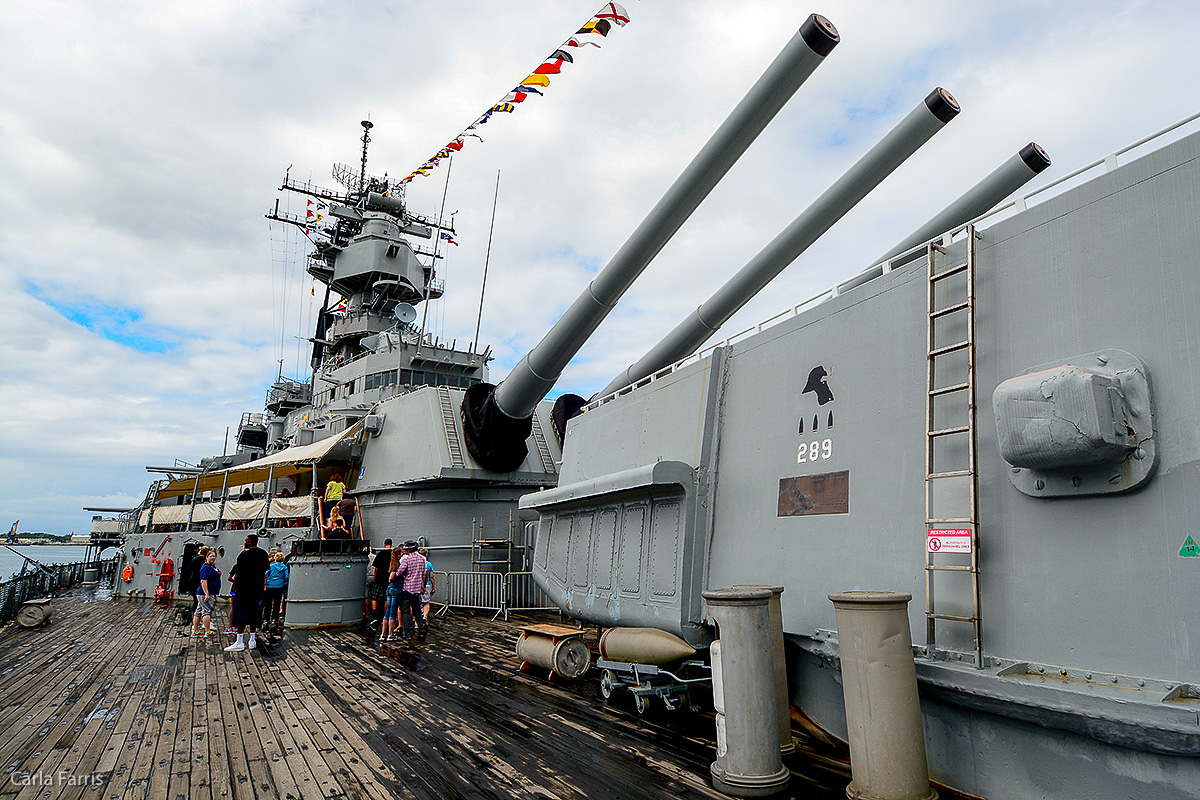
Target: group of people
x=400, y=592
x=403, y=579
x=258, y=582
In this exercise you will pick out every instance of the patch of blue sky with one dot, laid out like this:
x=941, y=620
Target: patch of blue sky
x=893, y=104
x=567, y=253
x=123, y=326
x=857, y=118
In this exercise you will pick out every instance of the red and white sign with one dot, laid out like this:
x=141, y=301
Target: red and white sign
x=948, y=540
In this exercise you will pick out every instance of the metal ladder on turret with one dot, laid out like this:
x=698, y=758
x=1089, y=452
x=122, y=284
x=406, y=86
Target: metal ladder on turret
x=543, y=449
x=951, y=477
x=446, y=404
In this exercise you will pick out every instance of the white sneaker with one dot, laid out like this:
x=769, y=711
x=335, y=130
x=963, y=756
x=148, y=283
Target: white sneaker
x=235, y=647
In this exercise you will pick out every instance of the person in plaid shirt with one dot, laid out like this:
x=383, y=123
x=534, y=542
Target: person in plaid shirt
x=410, y=572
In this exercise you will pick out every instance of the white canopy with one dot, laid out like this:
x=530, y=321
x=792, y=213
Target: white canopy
x=285, y=462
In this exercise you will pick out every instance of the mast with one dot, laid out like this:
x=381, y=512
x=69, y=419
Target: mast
x=366, y=140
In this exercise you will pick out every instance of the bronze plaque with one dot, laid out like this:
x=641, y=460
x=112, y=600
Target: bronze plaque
x=805, y=495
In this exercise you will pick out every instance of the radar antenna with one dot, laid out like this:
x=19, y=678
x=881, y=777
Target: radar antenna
x=344, y=174
x=359, y=183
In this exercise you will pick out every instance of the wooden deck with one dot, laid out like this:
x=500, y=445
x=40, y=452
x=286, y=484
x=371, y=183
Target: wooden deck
x=114, y=700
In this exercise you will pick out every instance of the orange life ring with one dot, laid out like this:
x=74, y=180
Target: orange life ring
x=127, y=573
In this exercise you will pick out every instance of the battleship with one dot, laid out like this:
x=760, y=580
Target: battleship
x=839, y=446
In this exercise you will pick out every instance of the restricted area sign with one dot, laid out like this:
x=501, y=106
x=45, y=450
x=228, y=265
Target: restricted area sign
x=948, y=540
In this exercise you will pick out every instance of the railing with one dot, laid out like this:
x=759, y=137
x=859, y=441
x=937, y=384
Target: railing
x=501, y=592
x=40, y=583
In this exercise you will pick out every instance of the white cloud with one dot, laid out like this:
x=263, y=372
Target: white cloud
x=141, y=143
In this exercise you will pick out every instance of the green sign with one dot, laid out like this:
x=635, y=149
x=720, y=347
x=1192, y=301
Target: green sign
x=1190, y=549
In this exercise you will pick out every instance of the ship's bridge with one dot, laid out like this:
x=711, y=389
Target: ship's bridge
x=379, y=262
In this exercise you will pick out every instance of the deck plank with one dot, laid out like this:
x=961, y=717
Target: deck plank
x=34, y=701
x=131, y=762
x=294, y=760
x=97, y=716
x=236, y=767
x=66, y=693
x=181, y=752
x=123, y=693
x=268, y=737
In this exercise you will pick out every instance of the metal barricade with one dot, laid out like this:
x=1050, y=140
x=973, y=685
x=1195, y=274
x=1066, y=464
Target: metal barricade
x=502, y=592
x=522, y=594
x=478, y=590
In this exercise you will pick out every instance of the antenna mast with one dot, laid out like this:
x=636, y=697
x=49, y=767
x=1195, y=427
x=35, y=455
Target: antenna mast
x=366, y=140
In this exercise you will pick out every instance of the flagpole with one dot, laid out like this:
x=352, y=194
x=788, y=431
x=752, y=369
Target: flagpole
x=486, y=259
x=437, y=240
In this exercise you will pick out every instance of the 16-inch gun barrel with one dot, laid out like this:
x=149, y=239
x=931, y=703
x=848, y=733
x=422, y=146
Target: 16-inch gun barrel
x=497, y=420
x=1006, y=179
x=978, y=200
x=913, y=131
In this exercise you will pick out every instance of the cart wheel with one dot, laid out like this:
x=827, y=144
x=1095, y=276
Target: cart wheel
x=608, y=680
x=639, y=702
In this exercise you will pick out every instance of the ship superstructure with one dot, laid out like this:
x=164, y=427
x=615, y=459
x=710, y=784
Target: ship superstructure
x=380, y=411
x=365, y=346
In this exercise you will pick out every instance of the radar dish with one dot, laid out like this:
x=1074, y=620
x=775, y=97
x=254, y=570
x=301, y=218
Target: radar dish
x=404, y=313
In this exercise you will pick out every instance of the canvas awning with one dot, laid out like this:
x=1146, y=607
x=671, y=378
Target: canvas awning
x=286, y=462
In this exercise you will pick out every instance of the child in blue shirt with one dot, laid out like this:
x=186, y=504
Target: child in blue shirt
x=277, y=582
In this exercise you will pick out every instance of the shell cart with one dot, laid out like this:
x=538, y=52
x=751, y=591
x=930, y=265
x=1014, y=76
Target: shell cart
x=644, y=681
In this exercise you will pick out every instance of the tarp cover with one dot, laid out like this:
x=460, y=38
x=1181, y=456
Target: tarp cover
x=291, y=507
x=243, y=509
x=206, y=512
x=285, y=462
x=494, y=439
x=165, y=515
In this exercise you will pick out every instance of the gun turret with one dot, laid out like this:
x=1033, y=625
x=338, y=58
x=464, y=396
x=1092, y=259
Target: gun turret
x=929, y=117
x=497, y=420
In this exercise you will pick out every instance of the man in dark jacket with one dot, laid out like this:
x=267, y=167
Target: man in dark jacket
x=379, y=581
x=191, y=575
x=248, y=579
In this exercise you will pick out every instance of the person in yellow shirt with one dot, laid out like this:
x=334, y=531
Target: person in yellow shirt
x=333, y=493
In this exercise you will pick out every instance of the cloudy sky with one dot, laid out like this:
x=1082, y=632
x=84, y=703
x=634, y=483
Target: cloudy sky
x=149, y=303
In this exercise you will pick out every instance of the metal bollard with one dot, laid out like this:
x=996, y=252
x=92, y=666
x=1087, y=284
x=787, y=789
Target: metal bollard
x=748, y=762
x=786, y=745
x=883, y=712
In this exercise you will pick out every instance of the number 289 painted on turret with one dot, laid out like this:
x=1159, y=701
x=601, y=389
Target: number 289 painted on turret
x=814, y=450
